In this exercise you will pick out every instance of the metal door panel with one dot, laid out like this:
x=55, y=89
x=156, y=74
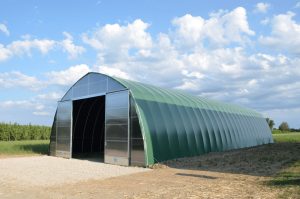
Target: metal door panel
x=64, y=129
x=117, y=149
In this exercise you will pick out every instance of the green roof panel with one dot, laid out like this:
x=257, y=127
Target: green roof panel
x=175, y=124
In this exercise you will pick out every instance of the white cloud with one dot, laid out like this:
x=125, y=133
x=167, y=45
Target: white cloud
x=262, y=7
x=265, y=21
x=4, y=53
x=24, y=107
x=15, y=79
x=68, y=46
x=285, y=35
x=219, y=29
x=41, y=113
x=206, y=57
x=68, y=76
x=198, y=56
x=297, y=4
x=4, y=29
x=112, y=72
x=18, y=103
x=194, y=74
x=55, y=96
x=18, y=79
x=114, y=41
x=21, y=47
x=188, y=85
x=163, y=59
x=279, y=115
x=39, y=107
x=190, y=28
x=26, y=45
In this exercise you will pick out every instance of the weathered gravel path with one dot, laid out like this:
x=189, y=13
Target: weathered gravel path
x=47, y=170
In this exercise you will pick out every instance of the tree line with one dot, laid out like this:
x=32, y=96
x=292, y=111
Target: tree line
x=284, y=126
x=15, y=131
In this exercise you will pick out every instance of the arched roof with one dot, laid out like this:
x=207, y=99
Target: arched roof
x=175, y=124
x=152, y=93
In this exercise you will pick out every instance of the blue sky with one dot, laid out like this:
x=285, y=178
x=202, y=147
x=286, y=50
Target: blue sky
x=241, y=52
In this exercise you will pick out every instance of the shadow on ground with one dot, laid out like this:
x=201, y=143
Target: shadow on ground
x=284, y=182
x=197, y=176
x=93, y=157
x=266, y=160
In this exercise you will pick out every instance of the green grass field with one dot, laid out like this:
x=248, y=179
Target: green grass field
x=24, y=147
x=27, y=147
x=286, y=137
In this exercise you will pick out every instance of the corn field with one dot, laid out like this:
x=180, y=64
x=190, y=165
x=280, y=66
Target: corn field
x=14, y=131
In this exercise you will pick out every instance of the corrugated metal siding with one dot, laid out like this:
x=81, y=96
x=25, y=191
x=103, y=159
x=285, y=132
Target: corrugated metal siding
x=176, y=125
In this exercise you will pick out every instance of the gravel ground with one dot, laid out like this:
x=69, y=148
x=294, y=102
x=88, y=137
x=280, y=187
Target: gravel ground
x=243, y=173
x=47, y=170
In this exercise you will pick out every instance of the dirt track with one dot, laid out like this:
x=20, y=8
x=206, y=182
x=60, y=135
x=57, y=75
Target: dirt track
x=235, y=174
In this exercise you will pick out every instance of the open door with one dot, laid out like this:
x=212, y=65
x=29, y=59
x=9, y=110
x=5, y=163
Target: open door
x=88, y=128
x=117, y=150
x=64, y=129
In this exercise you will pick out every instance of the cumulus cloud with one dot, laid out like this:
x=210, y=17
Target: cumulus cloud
x=18, y=79
x=43, y=104
x=4, y=29
x=68, y=76
x=204, y=56
x=221, y=28
x=285, y=34
x=17, y=103
x=262, y=7
x=114, y=40
x=188, y=84
x=21, y=47
x=55, y=96
x=33, y=105
x=26, y=45
x=112, y=72
x=68, y=46
x=4, y=53
x=23, y=109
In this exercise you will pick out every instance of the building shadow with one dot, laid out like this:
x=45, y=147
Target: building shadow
x=197, y=176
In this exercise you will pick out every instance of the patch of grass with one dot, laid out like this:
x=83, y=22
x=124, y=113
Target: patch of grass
x=286, y=137
x=24, y=147
x=277, y=131
x=288, y=180
x=289, y=176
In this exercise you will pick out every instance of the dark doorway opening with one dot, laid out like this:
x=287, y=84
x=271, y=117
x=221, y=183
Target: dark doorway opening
x=88, y=128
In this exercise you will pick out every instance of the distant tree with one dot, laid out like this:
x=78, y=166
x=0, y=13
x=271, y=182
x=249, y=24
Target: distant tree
x=271, y=123
x=294, y=130
x=284, y=126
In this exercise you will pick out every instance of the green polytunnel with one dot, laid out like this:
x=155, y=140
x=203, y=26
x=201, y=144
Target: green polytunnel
x=143, y=124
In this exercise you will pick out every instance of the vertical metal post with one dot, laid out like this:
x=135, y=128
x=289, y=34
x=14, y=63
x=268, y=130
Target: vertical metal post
x=128, y=131
x=71, y=131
